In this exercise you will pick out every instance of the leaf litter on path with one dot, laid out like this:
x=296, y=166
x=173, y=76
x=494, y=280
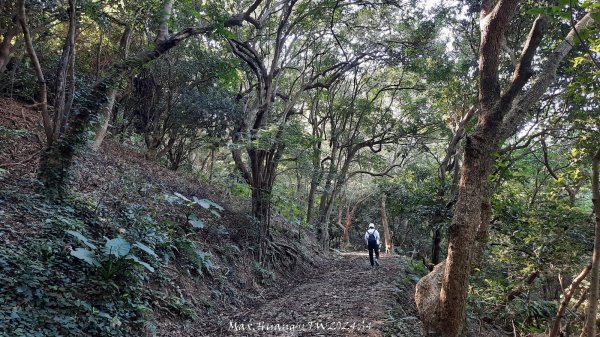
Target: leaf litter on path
x=343, y=298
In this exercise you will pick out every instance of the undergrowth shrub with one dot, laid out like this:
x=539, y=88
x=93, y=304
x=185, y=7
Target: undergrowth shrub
x=58, y=282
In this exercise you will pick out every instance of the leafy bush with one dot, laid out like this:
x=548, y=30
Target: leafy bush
x=191, y=204
x=45, y=293
x=116, y=257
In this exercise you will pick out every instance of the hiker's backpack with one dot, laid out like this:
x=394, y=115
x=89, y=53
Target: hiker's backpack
x=372, y=239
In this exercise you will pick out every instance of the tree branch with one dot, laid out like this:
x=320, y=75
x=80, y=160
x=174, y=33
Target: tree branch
x=523, y=71
x=545, y=77
x=492, y=26
x=375, y=174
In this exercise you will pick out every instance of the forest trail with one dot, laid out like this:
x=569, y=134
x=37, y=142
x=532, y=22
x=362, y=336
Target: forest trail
x=347, y=298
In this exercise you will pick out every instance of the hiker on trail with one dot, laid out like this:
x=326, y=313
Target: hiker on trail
x=372, y=240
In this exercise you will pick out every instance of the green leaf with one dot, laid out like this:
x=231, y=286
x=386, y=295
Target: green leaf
x=564, y=15
x=171, y=199
x=202, y=202
x=225, y=33
x=140, y=262
x=215, y=205
x=538, y=10
x=208, y=204
x=206, y=259
x=82, y=239
x=182, y=196
x=85, y=255
x=195, y=222
x=146, y=249
x=117, y=247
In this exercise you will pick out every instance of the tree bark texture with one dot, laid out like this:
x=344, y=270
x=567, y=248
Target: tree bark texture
x=387, y=236
x=22, y=17
x=104, y=119
x=65, y=78
x=466, y=220
x=106, y=113
x=7, y=44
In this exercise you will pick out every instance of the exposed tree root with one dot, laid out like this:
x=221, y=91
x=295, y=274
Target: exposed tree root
x=282, y=254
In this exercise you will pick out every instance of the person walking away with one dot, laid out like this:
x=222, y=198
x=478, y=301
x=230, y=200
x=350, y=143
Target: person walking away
x=372, y=241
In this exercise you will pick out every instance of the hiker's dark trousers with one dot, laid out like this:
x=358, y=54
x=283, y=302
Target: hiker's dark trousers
x=373, y=247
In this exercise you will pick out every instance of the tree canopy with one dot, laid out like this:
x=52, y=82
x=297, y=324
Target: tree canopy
x=469, y=129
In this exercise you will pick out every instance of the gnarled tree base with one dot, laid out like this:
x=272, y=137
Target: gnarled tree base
x=427, y=298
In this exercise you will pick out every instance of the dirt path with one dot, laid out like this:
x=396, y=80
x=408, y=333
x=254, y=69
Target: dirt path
x=348, y=298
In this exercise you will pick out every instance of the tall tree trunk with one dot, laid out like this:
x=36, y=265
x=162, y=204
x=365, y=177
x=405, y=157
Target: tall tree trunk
x=500, y=116
x=6, y=46
x=314, y=183
x=589, y=329
x=261, y=209
x=323, y=223
x=436, y=248
x=105, y=113
x=317, y=165
x=387, y=237
x=260, y=175
x=326, y=201
x=65, y=77
x=467, y=218
x=348, y=221
x=335, y=180
x=22, y=17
